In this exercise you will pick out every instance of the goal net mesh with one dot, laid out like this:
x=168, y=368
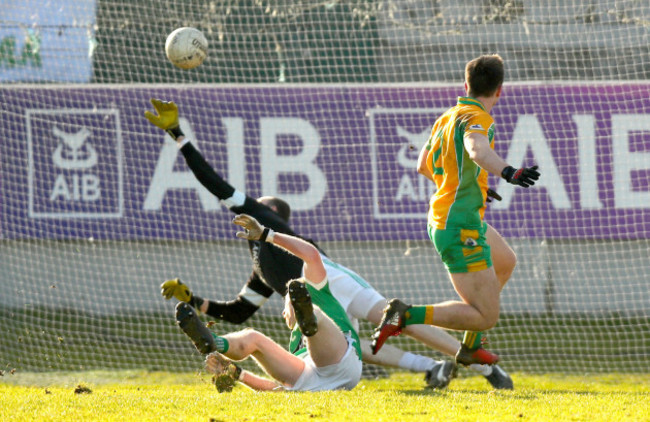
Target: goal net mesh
x=325, y=104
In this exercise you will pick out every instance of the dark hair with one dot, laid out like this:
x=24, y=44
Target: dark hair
x=484, y=75
x=282, y=208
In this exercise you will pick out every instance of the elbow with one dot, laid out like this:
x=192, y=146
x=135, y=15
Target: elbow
x=239, y=319
x=422, y=166
x=233, y=317
x=474, y=154
x=312, y=255
x=424, y=171
x=477, y=156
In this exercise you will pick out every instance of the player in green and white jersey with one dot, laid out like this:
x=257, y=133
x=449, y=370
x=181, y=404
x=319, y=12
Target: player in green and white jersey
x=325, y=352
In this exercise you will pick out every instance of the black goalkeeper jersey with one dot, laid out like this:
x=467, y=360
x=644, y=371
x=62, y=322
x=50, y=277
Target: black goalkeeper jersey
x=273, y=267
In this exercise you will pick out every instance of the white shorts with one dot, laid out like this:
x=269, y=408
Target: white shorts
x=353, y=292
x=344, y=375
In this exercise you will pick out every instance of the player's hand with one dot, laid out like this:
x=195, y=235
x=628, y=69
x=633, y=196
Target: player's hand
x=492, y=194
x=252, y=229
x=176, y=288
x=226, y=373
x=524, y=176
x=166, y=117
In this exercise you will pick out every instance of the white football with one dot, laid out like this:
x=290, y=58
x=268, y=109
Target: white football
x=186, y=47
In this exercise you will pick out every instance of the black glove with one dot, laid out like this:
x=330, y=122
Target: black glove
x=492, y=194
x=524, y=176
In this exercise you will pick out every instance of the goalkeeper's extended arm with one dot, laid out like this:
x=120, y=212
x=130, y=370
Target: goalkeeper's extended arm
x=249, y=300
x=236, y=201
x=166, y=118
x=176, y=288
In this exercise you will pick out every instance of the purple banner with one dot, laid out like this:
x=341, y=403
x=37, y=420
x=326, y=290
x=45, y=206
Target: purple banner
x=83, y=162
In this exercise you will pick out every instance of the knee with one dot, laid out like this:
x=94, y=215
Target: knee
x=490, y=319
x=486, y=317
x=243, y=343
x=249, y=336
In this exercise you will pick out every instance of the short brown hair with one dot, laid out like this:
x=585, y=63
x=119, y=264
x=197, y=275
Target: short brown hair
x=484, y=75
x=281, y=206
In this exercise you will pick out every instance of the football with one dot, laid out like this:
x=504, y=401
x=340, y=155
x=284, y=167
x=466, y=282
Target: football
x=186, y=47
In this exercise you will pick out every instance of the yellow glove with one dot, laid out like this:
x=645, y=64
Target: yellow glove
x=167, y=117
x=177, y=289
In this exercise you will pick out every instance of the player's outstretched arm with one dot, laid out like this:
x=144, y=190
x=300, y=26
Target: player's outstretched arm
x=166, y=118
x=237, y=311
x=252, y=296
x=235, y=200
x=227, y=373
x=257, y=383
x=179, y=290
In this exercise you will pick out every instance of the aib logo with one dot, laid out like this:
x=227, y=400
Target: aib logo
x=78, y=186
x=75, y=163
x=399, y=134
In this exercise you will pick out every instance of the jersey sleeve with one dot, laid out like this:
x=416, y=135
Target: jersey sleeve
x=479, y=123
x=252, y=296
x=235, y=200
x=205, y=174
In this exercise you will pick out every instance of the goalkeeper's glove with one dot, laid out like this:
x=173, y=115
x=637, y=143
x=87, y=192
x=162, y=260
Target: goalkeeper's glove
x=167, y=117
x=176, y=288
x=524, y=176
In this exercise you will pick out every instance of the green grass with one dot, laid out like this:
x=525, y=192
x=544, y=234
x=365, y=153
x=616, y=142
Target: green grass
x=164, y=396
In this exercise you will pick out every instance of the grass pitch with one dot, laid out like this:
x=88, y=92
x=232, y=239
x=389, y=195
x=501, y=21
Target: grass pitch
x=163, y=396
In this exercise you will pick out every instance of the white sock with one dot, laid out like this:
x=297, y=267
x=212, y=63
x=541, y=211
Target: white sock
x=416, y=363
x=484, y=370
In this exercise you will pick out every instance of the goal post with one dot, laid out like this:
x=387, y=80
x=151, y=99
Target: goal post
x=327, y=106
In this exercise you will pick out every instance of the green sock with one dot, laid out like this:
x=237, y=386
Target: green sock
x=472, y=339
x=222, y=343
x=419, y=315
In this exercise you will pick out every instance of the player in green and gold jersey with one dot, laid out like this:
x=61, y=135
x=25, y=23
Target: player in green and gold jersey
x=458, y=157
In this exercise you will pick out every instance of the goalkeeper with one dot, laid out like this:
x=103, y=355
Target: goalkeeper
x=273, y=268
x=324, y=346
x=457, y=158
